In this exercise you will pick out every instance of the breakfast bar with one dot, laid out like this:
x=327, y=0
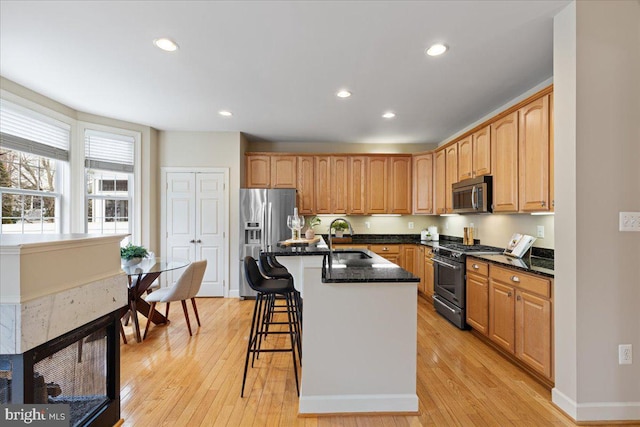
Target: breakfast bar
x=359, y=340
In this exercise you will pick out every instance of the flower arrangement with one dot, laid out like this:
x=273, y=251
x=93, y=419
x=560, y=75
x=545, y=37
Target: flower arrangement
x=340, y=226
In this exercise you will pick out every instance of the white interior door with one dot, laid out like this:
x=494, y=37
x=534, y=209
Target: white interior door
x=210, y=232
x=195, y=206
x=180, y=220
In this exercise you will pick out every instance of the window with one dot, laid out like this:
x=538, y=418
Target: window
x=33, y=152
x=109, y=161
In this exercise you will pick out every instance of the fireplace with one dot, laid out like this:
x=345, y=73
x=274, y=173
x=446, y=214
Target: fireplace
x=79, y=369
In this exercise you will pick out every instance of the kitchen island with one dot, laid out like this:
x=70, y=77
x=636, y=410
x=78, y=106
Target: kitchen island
x=359, y=332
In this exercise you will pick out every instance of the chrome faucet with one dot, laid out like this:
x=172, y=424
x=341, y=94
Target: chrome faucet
x=331, y=225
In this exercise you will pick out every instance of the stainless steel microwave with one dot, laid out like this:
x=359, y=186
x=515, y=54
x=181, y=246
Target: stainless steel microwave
x=473, y=195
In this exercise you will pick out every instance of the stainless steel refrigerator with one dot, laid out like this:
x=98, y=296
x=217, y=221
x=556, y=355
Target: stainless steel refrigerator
x=263, y=223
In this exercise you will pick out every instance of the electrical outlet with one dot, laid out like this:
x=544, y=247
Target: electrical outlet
x=410, y=225
x=540, y=231
x=629, y=221
x=367, y=224
x=625, y=354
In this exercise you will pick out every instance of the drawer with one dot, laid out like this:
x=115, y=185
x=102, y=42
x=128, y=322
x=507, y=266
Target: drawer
x=477, y=267
x=522, y=280
x=385, y=249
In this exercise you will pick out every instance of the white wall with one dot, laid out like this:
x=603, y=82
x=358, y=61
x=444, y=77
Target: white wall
x=209, y=149
x=597, y=299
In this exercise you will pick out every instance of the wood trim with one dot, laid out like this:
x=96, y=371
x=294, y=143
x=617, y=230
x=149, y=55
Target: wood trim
x=119, y=423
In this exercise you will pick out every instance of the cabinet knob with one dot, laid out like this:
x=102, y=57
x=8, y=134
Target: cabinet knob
x=543, y=203
x=476, y=266
x=192, y=241
x=509, y=294
x=518, y=298
x=198, y=241
x=385, y=249
x=515, y=279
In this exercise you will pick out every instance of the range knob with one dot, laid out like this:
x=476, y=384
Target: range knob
x=456, y=254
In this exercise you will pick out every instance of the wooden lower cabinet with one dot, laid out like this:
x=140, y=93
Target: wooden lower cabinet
x=428, y=272
x=478, y=296
x=520, y=317
x=419, y=260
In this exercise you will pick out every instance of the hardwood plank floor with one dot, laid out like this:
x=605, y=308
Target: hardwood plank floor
x=172, y=379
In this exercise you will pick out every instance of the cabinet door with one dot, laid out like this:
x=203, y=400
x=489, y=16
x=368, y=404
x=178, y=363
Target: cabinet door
x=419, y=260
x=482, y=152
x=452, y=175
x=322, y=166
x=339, y=179
x=504, y=146
x=284, y=171
x=258, y=171
x=357, y=194
x=465, y=158
x=306, y=185
x=502, y=315
x=428, y=273
x=533, y=140
x=552, y=194
x=378, y=172
x=399, y=195
x=423, y=184
x=533, y=331
x=478, y=302
x=409, y=259
x=440, y=181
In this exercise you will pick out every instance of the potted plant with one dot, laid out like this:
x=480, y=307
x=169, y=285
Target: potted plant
x=132, y=254
x=339, y=227
x=311, y=233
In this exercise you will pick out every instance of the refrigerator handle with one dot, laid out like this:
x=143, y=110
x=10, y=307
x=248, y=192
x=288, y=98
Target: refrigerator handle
x=263, y=243
x=270, y=224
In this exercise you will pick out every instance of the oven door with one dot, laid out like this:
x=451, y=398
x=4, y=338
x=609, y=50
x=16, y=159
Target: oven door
x=449, y=280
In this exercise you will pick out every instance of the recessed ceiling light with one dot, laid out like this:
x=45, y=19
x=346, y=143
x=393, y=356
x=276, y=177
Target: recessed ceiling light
x=166, y=44
x=389, y=115
x=343, y=94
x=225, y=113
x=436, y=49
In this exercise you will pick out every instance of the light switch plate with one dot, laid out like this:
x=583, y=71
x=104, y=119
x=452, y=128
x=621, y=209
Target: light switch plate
x=540, y=230
x=629, y=221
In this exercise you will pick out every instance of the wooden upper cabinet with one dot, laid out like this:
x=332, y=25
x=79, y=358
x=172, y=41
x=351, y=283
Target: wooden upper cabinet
x=339, y=183
x=440, y=183
x=357, y=184
x=423, y=184
x=451, y=175
x=481, y=152
x=504, y=145
x=377, y=178
x=465, y=158
x=284, y=171
x=306, y=185
x=533, y=140
x=323, y=184
x=258, y=171
x=399, y=185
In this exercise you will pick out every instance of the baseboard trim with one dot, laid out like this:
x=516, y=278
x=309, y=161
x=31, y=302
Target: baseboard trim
x=596, y=412
x=234, y=293
x=398, y=404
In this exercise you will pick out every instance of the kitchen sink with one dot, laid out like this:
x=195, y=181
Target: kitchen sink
x=347, y=256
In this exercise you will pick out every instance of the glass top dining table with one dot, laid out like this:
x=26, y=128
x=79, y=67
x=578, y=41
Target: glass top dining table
x=141, y=276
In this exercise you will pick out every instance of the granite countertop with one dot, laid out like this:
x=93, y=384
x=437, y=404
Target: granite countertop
x=353, y=267
x=535, y=265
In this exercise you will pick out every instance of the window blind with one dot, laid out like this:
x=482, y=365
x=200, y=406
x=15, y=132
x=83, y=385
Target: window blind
x=25, y=130
x=108, y=151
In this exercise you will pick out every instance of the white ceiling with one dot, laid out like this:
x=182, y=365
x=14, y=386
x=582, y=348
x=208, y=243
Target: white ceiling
x=278, y=64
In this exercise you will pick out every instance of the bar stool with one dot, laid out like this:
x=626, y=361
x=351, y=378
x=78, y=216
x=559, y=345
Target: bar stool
x=267, y=289
x=272, y=269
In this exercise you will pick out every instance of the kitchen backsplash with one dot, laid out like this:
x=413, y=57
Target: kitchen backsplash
x=494, y=229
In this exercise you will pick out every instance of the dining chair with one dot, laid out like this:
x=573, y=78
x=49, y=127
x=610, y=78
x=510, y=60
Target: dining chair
x=187, y=287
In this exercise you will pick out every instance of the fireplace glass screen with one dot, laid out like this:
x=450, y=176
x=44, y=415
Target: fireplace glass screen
x=75, y=375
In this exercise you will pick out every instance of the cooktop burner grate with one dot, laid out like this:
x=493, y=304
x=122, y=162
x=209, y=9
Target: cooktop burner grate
x=470, y=248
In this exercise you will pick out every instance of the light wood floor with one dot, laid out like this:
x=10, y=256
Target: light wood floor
x=171, y=379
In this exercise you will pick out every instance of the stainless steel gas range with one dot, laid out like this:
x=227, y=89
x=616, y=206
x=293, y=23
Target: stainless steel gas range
x=449, y=298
